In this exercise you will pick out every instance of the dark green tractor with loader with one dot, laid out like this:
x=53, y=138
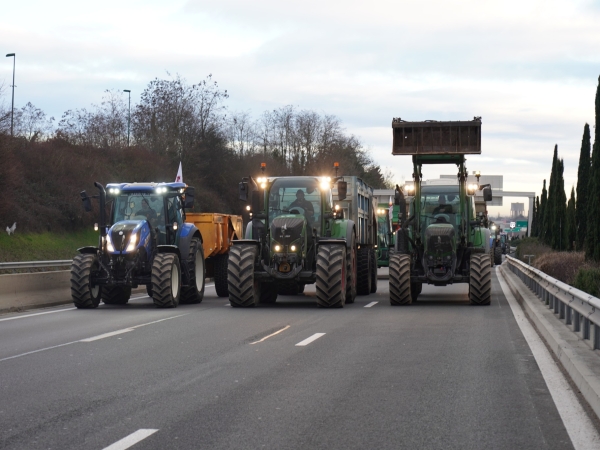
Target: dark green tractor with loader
x=444, y=240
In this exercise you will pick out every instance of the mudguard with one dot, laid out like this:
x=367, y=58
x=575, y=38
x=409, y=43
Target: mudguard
x=185, y=239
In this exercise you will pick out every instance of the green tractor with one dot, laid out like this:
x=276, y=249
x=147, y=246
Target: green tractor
x=298, y=236
x=444, y=240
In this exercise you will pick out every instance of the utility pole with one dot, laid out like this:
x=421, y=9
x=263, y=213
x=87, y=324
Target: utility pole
x=128, y=115
x=12, y=109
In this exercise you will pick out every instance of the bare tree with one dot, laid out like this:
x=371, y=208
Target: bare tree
x=241, y=134
x=173, y=117
x=32, y=123
x=103, y=127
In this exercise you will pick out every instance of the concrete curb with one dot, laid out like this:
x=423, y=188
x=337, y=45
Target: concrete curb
x=24, y=291
x=577, y=358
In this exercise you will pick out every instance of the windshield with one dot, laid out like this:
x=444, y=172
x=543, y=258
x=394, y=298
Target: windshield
x=383, y=228
x=138, y=206
x=439, y=207
x=296, y=195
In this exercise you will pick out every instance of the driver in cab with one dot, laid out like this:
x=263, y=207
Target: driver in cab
x=301, y=202
x=148, y=212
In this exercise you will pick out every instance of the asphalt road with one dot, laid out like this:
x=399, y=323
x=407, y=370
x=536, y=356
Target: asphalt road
x=437, y=374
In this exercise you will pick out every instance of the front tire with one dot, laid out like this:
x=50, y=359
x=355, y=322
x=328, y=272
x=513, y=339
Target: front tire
x=480, y=280
x=166, y=280
x=195, y=292
x=85, y=294
x=497, y=256
x=400, y=286
x=373, y=271
x=244, y=290
x=116, y=295
x=363, y=271
x=268, y=293
x=220, y=265
x=351, y=270
x=331, y=276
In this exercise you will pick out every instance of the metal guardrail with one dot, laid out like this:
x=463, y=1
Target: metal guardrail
x=578, y=310
x=36, y=264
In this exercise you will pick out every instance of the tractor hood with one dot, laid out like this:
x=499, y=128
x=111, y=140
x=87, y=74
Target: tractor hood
x=288, y=228
x=439, y=239
x=120, y=235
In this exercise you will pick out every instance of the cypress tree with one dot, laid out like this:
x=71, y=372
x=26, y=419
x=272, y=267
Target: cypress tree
x=559, y=233
x=533, y=219
x=542, y=212
x=583, y=175
x=536, y=226
x=550, y=219
x=592, y=242
x=571, y=231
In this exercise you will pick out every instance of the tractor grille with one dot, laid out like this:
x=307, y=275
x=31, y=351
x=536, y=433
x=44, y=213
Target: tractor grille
x=440, y=230
x=286, y=230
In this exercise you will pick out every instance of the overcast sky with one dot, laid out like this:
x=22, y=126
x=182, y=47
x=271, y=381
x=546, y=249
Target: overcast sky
x=529, y=68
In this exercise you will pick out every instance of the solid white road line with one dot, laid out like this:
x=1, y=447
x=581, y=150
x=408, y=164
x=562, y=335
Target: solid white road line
x=131, y=440
x=307, y=341
x=107, y=335
x=371, y=304
x=582, y=432
x=94, y=338
x=37, y=314
x=37, y=351
x=271, y=335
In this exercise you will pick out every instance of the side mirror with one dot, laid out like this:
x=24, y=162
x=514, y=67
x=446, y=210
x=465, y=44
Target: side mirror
x=189, y=198
x=487, y=194
x=342, y=190
x=87, y=205
x=243, y=190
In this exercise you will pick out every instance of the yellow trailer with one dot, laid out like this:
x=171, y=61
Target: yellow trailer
x=218, y=232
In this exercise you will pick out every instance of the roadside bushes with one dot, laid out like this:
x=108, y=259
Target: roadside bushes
x=588, y=280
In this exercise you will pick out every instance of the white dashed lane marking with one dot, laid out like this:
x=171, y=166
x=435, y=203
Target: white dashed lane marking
x=131, y=440
x=307, y=341
x=371, y=304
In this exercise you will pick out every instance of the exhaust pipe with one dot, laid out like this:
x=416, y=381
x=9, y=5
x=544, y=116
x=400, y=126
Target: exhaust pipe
x=102, y=208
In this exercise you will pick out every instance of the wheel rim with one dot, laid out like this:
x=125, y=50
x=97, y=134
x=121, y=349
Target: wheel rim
x=175, y=280
x=94, y=291
x=199, y=272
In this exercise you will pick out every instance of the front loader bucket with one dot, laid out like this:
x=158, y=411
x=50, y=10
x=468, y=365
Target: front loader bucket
x=436, y=138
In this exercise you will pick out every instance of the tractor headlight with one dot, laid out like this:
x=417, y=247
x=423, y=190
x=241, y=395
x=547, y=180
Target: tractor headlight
x=132, y=242
x=277, y=248
x=109, y=245
x=293, y=248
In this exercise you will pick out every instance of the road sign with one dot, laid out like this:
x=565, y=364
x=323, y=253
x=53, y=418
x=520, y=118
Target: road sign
x=513, y=230
x=522, y=223
x=512, y=224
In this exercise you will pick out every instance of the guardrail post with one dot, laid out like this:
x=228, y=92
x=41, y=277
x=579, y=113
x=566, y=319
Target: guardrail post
x=556, y=304
x=596, y=337
x=561, y=312
x=569, y=317
x=586, y=328
x=576, y=322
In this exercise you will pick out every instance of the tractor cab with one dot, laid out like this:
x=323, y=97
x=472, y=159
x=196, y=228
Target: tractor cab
x=153, y=209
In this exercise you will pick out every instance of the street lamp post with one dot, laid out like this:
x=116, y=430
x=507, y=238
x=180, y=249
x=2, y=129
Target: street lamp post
x=129, y=115
x=12, y=109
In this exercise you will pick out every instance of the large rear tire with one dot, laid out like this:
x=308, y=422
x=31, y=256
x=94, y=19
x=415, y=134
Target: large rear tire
x=85, y=295
x=480, y=280
x=363, y=271
x=351, y=270
x=220, y=265
x=373, y=271
x=400, y=286
x=194, y=293
x=331, y=276
x=166, y=280
x=244, y=290
x=497, y=255
x=116, y=295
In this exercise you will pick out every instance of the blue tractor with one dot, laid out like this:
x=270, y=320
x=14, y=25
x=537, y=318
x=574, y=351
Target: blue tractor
x=145, y=241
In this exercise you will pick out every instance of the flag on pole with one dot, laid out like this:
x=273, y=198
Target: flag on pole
x=179, y=177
